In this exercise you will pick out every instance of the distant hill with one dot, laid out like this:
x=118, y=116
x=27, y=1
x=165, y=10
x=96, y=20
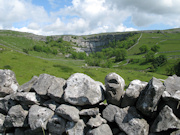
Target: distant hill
x=66, y=54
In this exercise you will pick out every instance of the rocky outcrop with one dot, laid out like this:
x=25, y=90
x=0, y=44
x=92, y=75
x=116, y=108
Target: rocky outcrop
x=94, y=43
x=51, y=105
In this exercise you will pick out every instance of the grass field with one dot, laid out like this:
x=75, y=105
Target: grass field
x=26, y=66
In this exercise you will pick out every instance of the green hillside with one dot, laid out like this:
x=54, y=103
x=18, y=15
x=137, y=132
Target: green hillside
x=28, y=55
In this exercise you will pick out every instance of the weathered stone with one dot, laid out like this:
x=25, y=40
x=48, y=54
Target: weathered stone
x=38, y=117
x=8, y=82
x=27, y=86
x=96, y=122
x=83, y=90
x=175, y=132
x=42, y=84
x=150, y=97
x=73, y=128
x=17, y=117
x=131, y=122
x=56, y=90
x=26, y=98
x=132, y=93
x=2, y=119
x=165, y=120
x=56, y=125
x=109, y=112
x=114, y=88
x=6, y=103
x=89, y=112
x=101, y=130
x=51, y=104
x=68, y=112
x=172, y=84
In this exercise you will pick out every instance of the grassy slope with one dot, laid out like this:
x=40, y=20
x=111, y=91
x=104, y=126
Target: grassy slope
x=169, y=42
x=26, y=66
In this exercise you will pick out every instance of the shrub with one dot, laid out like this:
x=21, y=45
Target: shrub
x=155, y=48
x=143, y=49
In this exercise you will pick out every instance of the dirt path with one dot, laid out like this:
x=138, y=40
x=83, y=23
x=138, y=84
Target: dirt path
x=135, y=43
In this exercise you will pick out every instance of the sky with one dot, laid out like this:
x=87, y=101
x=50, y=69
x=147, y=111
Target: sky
x=83, y=17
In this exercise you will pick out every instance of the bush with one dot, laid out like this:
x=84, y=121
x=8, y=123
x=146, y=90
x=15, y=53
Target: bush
x=120, y=54
x=149, y=56
x=25, y=51
x=162, y=59
x=7, y=67
x=155, y=48
x=143, y=49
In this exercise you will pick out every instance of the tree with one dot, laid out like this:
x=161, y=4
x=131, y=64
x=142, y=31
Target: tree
x=162, y=59
x=149, y=56
x=143, y=49
x=155, y=48
x=120, y=54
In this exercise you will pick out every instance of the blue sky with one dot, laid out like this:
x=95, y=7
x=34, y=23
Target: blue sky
x=80, y=17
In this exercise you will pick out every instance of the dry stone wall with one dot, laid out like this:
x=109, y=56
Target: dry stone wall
x=48, y=105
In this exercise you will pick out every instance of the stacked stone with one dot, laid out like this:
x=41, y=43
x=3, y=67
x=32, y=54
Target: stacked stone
x=48, y=105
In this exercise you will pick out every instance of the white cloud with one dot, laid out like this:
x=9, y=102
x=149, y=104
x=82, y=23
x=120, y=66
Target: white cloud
x=87, y=16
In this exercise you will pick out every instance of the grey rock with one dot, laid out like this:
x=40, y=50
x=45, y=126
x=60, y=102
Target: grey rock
x=131, y=122
x=167, y=96
x=114, y=88
x=56, y=125
x=56, y=90
x=73, y=128
x=83, y=90
x=27, y=86
x=2, y=119
x=96, y=122
x=101, y=130
x=6, y=103
x=172, y=84
x=26, y=98
x=89, y=112
x=38, y=117
x=132, y=93
x=175, y=132
x=109, y=112
x=51, y=104
x=42, y=84
x=8, y=82
x=17, y=117
x=150, y=97
x=165, y=120
x=68, y=112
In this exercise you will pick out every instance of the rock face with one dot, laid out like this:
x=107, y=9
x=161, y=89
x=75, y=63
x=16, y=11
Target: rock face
x=131, y=122
x=114, y=88
x=53, y=106
x=132, y=93
x=150, y=97
x=83, y=90
x=56, y=125
x=165, y=120
x=73, y=128
x=39, y=116
x=102, y=130
x=109, y=112
x=68, y=112
x=16, y=117
x=8, y=82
